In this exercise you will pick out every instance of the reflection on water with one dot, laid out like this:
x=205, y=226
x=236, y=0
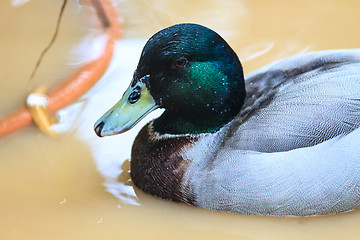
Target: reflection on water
x=78, y=186
x=18, y=3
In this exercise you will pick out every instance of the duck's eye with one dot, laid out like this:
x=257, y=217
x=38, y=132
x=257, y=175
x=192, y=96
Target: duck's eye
x=180, y=63
x=134, y=97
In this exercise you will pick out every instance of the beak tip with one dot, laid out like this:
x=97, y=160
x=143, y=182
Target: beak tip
x=98, y=128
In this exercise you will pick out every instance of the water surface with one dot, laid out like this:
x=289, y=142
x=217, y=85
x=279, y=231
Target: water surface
x=78, y=186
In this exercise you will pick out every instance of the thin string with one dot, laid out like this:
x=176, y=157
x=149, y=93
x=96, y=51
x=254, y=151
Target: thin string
x=50, y=43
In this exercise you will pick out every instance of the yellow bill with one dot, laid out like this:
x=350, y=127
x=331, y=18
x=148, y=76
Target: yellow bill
x=134, y=105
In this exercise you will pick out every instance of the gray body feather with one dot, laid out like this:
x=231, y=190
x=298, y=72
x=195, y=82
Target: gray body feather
x=313, y=98
x=294, y=150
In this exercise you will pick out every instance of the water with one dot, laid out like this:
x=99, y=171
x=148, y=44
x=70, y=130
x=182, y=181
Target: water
x=77, y=186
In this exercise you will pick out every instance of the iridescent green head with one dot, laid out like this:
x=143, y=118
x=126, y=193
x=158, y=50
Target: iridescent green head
x=190, y=71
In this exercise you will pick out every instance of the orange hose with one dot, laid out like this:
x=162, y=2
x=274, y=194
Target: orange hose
x=79, y=82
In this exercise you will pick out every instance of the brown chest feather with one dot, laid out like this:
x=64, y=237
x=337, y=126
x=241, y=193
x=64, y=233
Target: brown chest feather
x=157, y=166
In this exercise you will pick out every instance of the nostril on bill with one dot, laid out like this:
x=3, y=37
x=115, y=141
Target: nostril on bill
x=98, y=128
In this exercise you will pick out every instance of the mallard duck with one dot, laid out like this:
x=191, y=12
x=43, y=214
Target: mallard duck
x=284, y=140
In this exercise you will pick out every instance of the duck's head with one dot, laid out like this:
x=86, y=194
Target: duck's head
x=190, y=71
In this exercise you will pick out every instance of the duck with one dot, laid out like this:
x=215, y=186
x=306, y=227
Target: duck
x=280, y=141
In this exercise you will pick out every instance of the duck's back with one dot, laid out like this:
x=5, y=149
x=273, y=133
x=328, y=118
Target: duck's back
x=294, y=148
x=300, y=102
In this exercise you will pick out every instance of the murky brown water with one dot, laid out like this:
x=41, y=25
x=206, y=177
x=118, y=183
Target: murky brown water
x=70, y=188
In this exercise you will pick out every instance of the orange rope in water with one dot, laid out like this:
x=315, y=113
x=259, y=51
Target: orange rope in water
x=79, y=82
